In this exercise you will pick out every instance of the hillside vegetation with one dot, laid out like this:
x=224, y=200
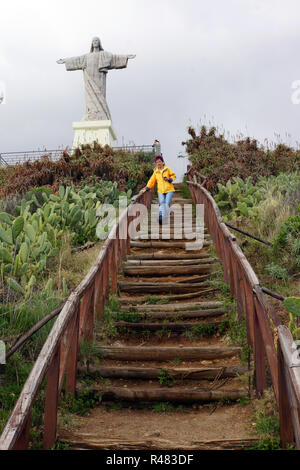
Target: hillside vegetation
x=258, y=191
x=87, y=165
x=219, y=160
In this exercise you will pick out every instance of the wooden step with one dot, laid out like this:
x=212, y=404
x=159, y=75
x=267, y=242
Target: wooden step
x=178, y=395
x=156, y=353
x=168, y=256
x=209, y=313
x=180, y=221
x=182, y=200
x=164, y=236
x=177, y=210
x=196, y=279
x=96, y=442
x=169, y=262
x=170, y=231
x=179, y=307
x=162, y=299
x=189, y=213
x=170, y=326
x=184, y=373
x=153, y=288
x=166, y=244
x=162, y=270
x=173, y=227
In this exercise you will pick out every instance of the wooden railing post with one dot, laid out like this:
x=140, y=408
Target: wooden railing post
x=289, y=370
x=23, y=440
x=113, y=267
x=239, y=287
x=124, y=235
x=259, y=358
x=89, y=315
x=285, y=416
x=128, y=237
x=118, y=256
x=85, y=308
x=71, y=367
x=225, y=258
x=230, y=273
x=51, y=402
x=250, y=307
x=98, y=296
x=268, y=340
x=247, y=311
x=106, y=277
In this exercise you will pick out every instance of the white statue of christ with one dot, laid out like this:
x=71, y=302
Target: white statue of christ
x=95, y=66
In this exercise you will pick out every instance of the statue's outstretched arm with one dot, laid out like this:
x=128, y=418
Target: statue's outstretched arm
x=131, y=56
x=74, y=63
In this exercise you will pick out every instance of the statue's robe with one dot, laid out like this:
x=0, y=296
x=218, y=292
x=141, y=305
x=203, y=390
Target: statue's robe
x=95, y=66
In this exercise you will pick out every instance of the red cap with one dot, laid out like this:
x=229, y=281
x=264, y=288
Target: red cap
x=159, y=157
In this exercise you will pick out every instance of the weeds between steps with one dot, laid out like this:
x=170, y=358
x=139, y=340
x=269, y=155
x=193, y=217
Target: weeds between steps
x=205, y=330
x=165, y=379
x=89, y=353
x=152, y=300
x=107, y=328
x=84, y=401
x=184, y=190
x=128, y=317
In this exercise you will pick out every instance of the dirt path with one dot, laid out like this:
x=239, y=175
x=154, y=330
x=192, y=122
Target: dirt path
x=167, y=380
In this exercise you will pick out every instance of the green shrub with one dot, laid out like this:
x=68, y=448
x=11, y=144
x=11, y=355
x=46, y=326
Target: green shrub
x=277, y=272
x=290, y=229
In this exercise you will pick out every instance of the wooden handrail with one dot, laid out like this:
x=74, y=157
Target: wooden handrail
x=259, y=316
x=289, y=387
x=58, y=358
x=21, y=412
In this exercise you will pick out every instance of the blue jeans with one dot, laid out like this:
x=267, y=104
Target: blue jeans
x=164, y=204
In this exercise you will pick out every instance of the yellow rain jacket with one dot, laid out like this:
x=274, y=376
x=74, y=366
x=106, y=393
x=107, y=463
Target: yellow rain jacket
x=158, y=177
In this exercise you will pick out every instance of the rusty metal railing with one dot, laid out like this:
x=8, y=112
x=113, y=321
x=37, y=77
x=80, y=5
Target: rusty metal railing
x=16, y=158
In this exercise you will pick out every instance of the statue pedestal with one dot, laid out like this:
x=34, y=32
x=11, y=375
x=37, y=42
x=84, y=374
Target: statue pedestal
x=86, y=132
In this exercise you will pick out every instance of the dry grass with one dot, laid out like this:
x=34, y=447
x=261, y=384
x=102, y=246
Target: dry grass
x=274, y=211
x=73, y=267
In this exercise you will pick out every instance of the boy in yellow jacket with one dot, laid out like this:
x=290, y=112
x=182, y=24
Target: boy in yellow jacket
x=164, y=178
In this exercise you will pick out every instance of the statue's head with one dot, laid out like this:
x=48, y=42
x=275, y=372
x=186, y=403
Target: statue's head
x=96, y=43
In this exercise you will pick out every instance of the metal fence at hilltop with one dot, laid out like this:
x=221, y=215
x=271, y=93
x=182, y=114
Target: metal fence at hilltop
x=15, y=158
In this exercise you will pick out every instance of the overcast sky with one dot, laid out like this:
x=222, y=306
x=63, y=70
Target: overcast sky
x=231, y=63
